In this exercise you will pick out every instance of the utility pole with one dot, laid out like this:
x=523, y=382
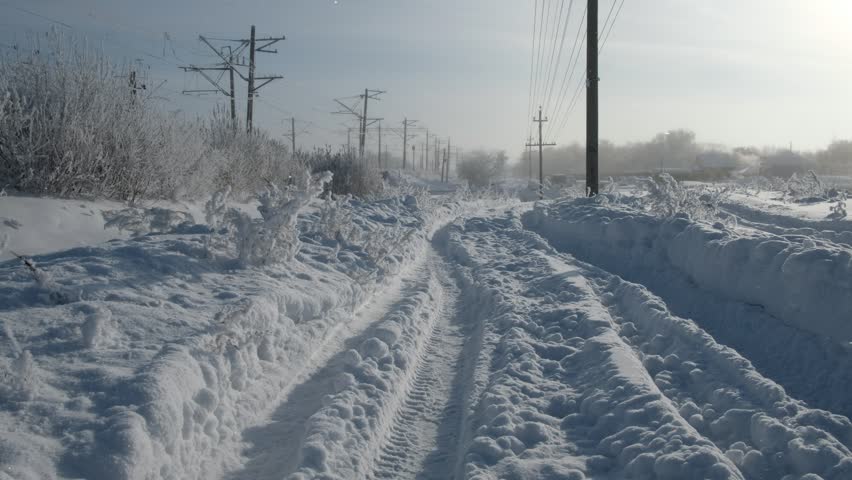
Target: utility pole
x=230, y=62
x=592, y=100
x=250, y=101
x=133, y=88
x=447, y=162
x=405, y=124
x=540, y=146
x=443, y=162
x=363, y=120
x=413, y=157
x=232, y=92
x=133, y=82
x=529, y=155
x=437, y=154
x=348, y=140
x=379, y=160
x=426, y=153
x=293, y=136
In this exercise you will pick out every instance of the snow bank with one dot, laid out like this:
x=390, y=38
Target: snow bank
x=592, y=377
x=564, y=397
x=803, y=284
x=158, y=356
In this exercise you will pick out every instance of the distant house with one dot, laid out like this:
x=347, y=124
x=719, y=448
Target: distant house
x=783, y=164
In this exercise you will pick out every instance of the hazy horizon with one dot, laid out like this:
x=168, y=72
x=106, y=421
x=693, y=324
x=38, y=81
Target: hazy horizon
x=757, y=73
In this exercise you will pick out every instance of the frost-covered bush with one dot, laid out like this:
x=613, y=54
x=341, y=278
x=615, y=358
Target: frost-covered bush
x=804, y=188
x=70, y=125
x=481, y=169
x=351, y=176
x=838, y=210
x=274, y=237
x=667, y=198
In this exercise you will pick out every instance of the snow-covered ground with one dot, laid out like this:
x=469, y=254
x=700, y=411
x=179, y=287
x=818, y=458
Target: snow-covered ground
x=432, y=337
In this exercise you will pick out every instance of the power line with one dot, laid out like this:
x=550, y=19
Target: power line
x=532, y=60
x=557, y=23
x=43, y=17
x=549, y=91
x=541, y=35
x=576, y=96
x=567, y=82
x=569, y=71
x=606, y=37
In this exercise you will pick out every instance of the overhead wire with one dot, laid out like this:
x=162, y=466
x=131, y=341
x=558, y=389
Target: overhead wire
x=549, y=91
x=541, y=36
x=570, y=70
x=603, y=37
x=606, y=37
x=557, y=21
x=532, y=62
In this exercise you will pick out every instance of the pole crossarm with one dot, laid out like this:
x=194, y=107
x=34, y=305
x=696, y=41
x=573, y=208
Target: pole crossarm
x=266, y=81
x=215, y=82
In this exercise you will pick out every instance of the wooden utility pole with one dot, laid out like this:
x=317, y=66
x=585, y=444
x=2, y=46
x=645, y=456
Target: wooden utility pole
x=437, y=154
x=363, y=120
x=232, y=92
x=363, y=139
x=592, y=100
x=447, y=162
x=540, y=146
x=348, y=140
x=426, y=153
x=250, y=101
x=529, y=156
x=405, y=124
x=443, y=162
x=230, y=62
x=379, y=160
x=293, y=136
x=413, y=157
x=133, y=86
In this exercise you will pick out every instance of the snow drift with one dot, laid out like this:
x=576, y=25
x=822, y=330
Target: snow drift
x=147, y=358
x=801, y=283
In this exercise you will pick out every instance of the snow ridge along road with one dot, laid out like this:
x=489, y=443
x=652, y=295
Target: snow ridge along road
x=594, y=377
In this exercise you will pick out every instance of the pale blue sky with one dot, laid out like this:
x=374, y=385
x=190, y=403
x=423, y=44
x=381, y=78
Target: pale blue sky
x=758, y=72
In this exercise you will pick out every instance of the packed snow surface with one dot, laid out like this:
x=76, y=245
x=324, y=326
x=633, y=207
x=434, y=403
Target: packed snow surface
x=409, y=338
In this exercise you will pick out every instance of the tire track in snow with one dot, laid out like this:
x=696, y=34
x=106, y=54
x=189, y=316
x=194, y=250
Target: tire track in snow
x=421, y=441
x=274, y=447
x=762, y=431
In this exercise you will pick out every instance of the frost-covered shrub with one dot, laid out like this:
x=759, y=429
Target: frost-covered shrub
x=350, y=175
x=481, y=169
x=667, y=198
x=18, y=378
x=805, y=188
x=52, y=291
x=838, y=210
x=70, y=125
x=274, y=237
x=94, y=329
x=246, y=162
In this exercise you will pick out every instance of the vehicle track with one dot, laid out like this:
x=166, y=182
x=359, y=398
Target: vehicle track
x=422, y=438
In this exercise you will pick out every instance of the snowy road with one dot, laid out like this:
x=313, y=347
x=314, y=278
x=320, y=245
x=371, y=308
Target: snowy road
x=404, y=356
x=576, y=339
x=498, y=356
